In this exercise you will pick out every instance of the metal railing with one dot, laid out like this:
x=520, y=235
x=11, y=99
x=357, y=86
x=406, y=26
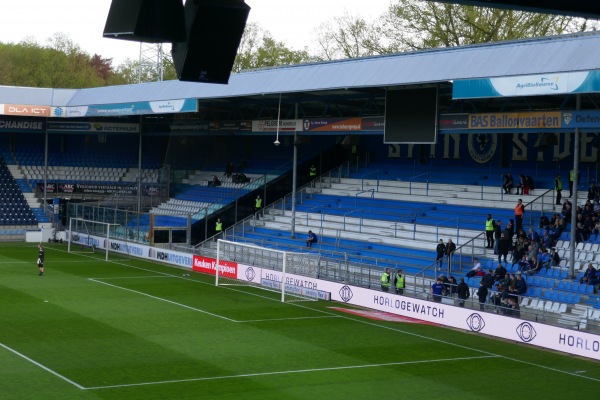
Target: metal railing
x=412, y=179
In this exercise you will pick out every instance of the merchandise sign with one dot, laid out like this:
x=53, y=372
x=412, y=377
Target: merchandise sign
x=21, y=125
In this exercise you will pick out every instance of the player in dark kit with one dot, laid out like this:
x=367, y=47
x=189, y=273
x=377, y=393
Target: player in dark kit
x=40, y=261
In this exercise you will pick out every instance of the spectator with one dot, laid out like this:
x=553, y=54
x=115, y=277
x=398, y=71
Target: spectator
x=488, y=281
x=312, y=238
x=513, y=307
x=218, y=226
x=385, y=280
x=500, y=272
x=229, y=169
x=572, y=179
x=440, y=253
x=257, y=206
x=520, y=285
x=544, y=258
x=589, y=275
x=596, y=228
x=437, y=289
x=554, y=258
x=518, y=250
x=482, y=294
x=497, y=234
x=558, y=188
x=546, y=240
x=519, y=213
x=214, y=182
x=524, y=264
x=533, y=236
x=399, y=283
x=450, y=249
x=535, y=266
x=476, y=268
x=508, y=183
x=312, y=172
x=462, y=292
x=504, y=245
x=521, y=184
x=445, y=282
x=490, y=224
x=593, y=193
x=452, y=286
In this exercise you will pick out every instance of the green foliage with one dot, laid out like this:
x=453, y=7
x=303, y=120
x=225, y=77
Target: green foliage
x=258, y=49
x=417, y=25
x=61, y=64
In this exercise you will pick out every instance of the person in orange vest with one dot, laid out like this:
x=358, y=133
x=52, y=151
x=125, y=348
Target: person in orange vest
x=519, y=211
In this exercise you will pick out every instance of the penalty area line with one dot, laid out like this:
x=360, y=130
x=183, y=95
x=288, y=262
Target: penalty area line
x=297, y=371
x=23, y=356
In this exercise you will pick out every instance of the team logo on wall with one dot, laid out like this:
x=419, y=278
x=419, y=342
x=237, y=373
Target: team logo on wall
x=475, y=322
x=526, y=332
x=346, y=293
x=482, y=146
x=250, y=274
x=567, y=118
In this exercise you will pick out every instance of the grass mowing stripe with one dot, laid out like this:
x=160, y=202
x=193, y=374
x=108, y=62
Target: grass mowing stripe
x=289, y=319
x=299, y=371
x=165, y=300
x=23, y=356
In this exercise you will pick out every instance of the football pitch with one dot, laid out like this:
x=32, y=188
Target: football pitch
x=133, y=329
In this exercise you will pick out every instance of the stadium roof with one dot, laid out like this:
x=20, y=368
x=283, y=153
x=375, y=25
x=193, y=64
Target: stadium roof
x=565, y=53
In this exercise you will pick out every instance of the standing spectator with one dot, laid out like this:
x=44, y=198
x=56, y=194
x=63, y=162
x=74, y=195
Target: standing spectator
x=508, y=183
x=519, y=212
x=218, y=226
x=312, y=238
x=229, y=169
x=558, y=188
x=572, y=179
x=450, y=248
x=257, y=206
x=437, y=289
x=440, y=253
x=593, y=193
x=482, y=294
x=312, y=172
x=490, y=224
x=488, y=281
x=497, y=234
x=385, y=280
x=399, y=282
x=40, y=260
x=463, y=292
x=452, y=285
x=504, y=245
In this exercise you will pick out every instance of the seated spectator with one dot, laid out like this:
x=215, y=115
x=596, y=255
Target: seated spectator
x=593, y=192
x=508, y=183
x=521, y=184
x=312, y=238
x=554, y=258
x=533, y=236
x=544, y=258
x=589, y=275
x=524, y=264
x=535, y=266
x=546, y=240
x=500, y=272
x=520, y=286
x=596, y=227
x=513, y=307
x=476, y=268
x=529, y=184
x=214, y=182
x=518, y=249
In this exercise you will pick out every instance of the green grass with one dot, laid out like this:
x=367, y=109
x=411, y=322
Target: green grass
x=129, y=329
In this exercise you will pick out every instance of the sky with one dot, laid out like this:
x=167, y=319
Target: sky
x=290, y=21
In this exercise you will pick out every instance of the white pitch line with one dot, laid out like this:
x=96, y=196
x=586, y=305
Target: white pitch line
x=165, y=300
x=43, y=367
x=297, y=371
x=289, y=319
x=132, y=277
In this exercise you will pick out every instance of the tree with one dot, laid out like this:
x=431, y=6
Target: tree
x=258, y=50
x=417, y=25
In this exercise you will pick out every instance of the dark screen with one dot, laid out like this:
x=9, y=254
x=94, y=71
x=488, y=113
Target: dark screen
x=411, y=116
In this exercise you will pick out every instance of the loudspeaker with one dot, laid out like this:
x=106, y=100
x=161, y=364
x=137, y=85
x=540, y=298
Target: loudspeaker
x=214, y=31
x=152, y=21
